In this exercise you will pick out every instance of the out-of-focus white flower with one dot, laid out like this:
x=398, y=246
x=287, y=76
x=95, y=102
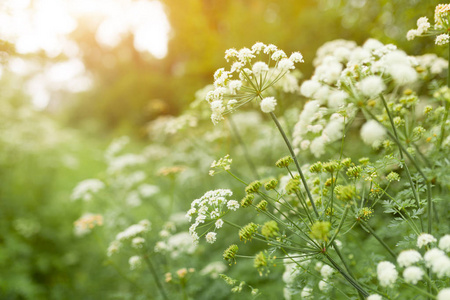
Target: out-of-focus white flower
x=425, y=239
x=326, y=271
x=374, y=297
x=135, y=262
x=268, y=104
x=211, y=237
x=387, y=274
x=372, y=86
x=408, y=257
x=444, y=243
x=442, y=39
x=214, y=269
x=309, y=87
x=413, y=274
x=86, y=189
x=372, y=133
x=444, y=294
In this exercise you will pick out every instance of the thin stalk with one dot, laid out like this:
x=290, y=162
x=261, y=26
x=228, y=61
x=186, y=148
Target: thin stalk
x=416, y=196
x=244, y=147
x=368, y=228
x=291, y=150
x=352, y=281
x=155, y=277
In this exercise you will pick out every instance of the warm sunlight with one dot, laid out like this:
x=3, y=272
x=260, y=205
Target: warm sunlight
x=45, y=25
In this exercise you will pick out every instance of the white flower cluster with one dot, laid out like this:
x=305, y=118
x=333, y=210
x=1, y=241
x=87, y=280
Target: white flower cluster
x=248, y=79
x=131, y=233
x=223, y=163
x=422, y=27
x=387, y=274
x=346, y=74
x=176, y=245
x=118, y=163
x=441, y=26
x=86, y=189
x=210, y=208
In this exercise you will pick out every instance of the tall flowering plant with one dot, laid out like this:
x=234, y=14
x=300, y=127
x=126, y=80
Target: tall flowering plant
x=314, y=215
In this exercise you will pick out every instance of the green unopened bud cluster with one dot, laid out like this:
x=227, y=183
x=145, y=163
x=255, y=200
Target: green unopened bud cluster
x=260, y=262
x=271, y=184
x=316, y=167
x=230, y=253
x=284, y=162
x=253, y=187
x=345, y=192
x=393, y=176
x=354, y=172
x=320, y=230
x=247, y=200
x=292, y=186
x=365, y=213
x=331, y=166
x=261, y=206
x=248, y=231
x=270, y=229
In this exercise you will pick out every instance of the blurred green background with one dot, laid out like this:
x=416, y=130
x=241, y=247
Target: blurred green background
x=46, y=150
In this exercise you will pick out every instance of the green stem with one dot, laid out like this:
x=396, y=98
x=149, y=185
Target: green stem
x=368, y=228
x=397, y=140
x=291, y=150
x=155, y=277
x=354, y=283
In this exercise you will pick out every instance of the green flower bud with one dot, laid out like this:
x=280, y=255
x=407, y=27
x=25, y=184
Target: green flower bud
x=316, y=167
x=364, y=160
x=354, y=172
x=393, y=176
x=365, y=213
x=270, y=229
x=292, y=186
x=271, y=184
x=331, y=166
x=284, y=162
x=247, y=200
x=345, y=192
x=253, y=187
x=346, y=162
x=261, y=206
x=320, y=230
x=230, y=253
x=260, y=262
x=247, y=232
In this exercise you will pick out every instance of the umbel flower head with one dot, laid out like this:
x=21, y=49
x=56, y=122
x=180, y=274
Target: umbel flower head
x=252, y=72
x=440, y=28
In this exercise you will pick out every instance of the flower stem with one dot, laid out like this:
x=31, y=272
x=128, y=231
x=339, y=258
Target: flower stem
x=291, y=150
x=155, y=277
x=368, y=228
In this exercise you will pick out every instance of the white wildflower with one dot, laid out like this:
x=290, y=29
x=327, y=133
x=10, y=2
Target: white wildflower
x=148, y=190
x=372, y=133
x=219, y=223
x=374, y=297
x=317, y=146
x=214, y=269
x=403, y=74
x=135, y=262
x=309, y=88
x=444, y=294
x=326, y=271
x=245, y=54
x=444, y=243
x=411, y=34
x=372, y=86
x=270, y=49
x=231, y=53
x=211, y=237
x=258, y=47
x=233, y=205
x=387, y=274
x=277, y=55
x=296, y=57
x=425, y=239
x=306, y=292
x=413, y=274
x=408, y=257
x=268, y=104
x=113, y=247
x=285, y=64
x=260, y=67
x=442, y=39
x=86, y=188
x=323, y=286
x=137, y=242
x=423, y=25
